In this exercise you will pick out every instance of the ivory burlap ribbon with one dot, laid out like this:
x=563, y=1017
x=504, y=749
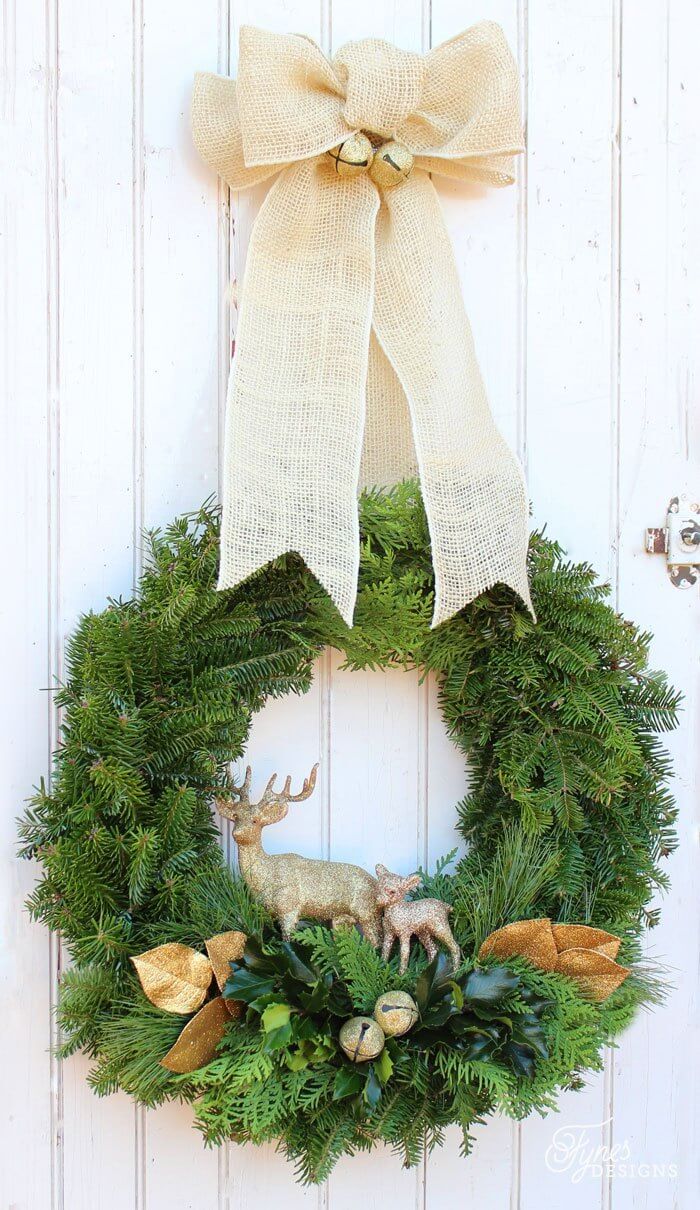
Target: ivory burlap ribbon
x=351, y=300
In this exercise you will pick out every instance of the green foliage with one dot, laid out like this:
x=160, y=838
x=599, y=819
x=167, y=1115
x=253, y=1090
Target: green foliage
x=568, y=815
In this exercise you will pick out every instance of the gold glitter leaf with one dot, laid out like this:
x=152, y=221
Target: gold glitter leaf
x=199, y=1039
x=223, y=949
x=175, y=977
x=596, y=975
x=531, y=939
x=582, y=936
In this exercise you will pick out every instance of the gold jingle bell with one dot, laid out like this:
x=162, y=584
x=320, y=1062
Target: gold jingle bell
x=391, y=165
x=353, y=156
x=396, y=1013
x=361, y=1039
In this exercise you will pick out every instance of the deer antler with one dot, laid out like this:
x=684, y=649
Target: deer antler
x=238, y=795
x=285, y=795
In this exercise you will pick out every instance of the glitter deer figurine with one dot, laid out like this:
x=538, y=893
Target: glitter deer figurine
x=424, y=918
x=292, y=887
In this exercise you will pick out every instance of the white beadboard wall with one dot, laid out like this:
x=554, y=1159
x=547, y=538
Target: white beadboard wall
x=583, y=286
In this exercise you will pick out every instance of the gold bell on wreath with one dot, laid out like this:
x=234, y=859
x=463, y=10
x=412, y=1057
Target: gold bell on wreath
x=353, y=156
x=361, y=1039
x=395, y=1013
x=391, y=165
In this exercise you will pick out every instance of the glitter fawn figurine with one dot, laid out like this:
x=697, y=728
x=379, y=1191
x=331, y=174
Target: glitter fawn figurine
x=292, y=887
x=424, y=918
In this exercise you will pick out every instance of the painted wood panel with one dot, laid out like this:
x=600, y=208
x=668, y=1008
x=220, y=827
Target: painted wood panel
x=582, y=286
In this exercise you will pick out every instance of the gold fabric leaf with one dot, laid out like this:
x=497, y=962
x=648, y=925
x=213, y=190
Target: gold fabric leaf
x=531, y=939
x=175, y=977
x=582, y=936
x=223, y=949
x=199, y=1039
x=596, y=975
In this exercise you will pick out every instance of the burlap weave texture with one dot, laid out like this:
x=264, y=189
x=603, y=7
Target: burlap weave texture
x=351, y=305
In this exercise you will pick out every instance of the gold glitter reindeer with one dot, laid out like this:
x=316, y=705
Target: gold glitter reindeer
x=424, y=918
x=293, y=887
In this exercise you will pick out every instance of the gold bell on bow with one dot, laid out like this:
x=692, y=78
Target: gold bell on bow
x=352, y=156
x=392, y=164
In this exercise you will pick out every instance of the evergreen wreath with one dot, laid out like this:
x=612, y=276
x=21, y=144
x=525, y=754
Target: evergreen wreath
x=567, y=817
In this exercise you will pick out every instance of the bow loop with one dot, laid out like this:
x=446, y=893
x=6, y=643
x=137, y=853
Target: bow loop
x=382, y=85
x=468, y=124
x=289, y=98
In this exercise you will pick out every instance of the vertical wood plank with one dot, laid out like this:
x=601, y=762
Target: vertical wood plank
x=571, y=301
x=570, y=380
x=94, y=460
x=484, y=229
x=180, y=251
x=30, y=1140
x=655, y=1097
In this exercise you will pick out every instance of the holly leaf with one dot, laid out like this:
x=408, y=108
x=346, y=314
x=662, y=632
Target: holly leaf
x=277, y=1039
x=435, y=1017
x=247, y=985
x=315, y=1000
x=530, y=1033
x=296, y=1060
x=536, y=1004
x=384, y=1067
x=296, y=967
x=276, y=1025
x=347, y=1083
x=304, y=1028
x=255, y=957
x=478, y=1047
x=373, y=1088
x=461, y=1026
x=522, y=1059
x=275, y=1017
x=489, y=985
x=433, y=982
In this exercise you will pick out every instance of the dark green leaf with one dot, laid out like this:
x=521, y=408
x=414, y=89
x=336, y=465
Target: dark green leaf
x=297, y=968
x=316, y=999
x=347, y=1083
x=478, y=1047
x=373, y=1088
x=277, y=1039
x=522, y=1059
x=489, y=985
x=246, y=985
x=433, y=982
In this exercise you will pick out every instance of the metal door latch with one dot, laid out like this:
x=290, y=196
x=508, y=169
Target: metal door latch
x=679, y=541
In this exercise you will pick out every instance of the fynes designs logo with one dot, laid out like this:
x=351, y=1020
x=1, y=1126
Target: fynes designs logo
x=577, y=1152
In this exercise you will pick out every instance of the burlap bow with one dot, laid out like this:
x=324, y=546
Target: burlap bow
x=351, y=299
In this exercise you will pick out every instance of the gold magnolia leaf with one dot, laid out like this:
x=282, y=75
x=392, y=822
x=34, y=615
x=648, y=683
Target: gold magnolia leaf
x=596, y=975
x=582, y=936
x=531, y=939
x=223, y=949
x=175, y=977
x=199, y=1039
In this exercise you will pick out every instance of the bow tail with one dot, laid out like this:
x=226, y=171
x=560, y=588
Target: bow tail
x=388, y=454
x=296, y=403
x=473, y=487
